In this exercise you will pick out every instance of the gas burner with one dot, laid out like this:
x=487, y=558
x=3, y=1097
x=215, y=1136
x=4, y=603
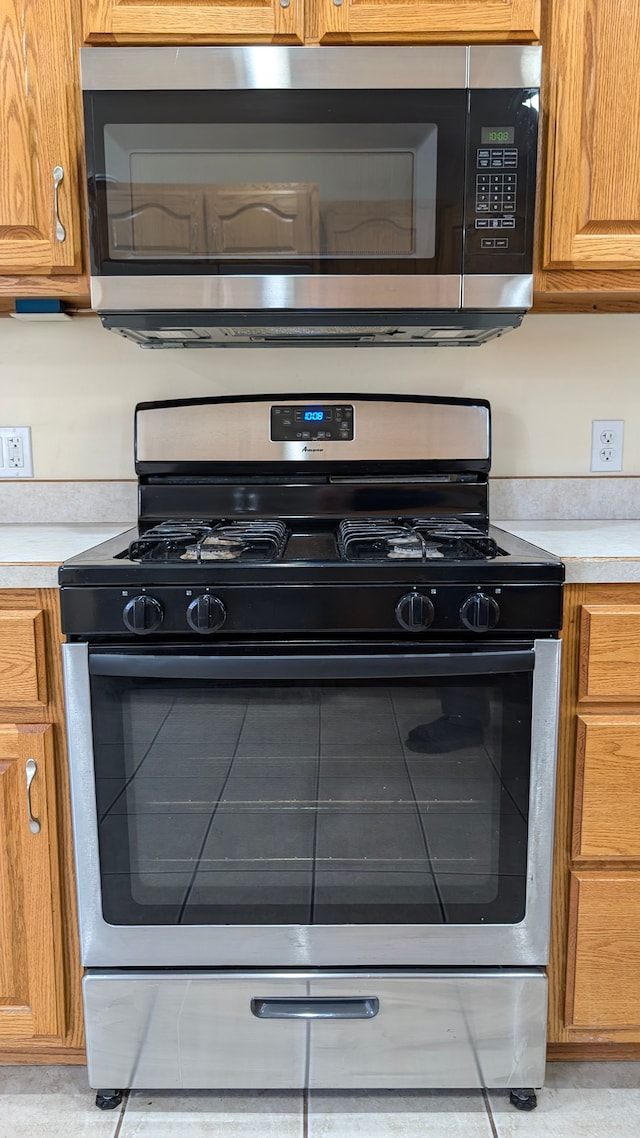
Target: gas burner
x=414, y=539
x=198, y=540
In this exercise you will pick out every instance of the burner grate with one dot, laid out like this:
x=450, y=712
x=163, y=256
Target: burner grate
x=414, y=539
x=197, y=540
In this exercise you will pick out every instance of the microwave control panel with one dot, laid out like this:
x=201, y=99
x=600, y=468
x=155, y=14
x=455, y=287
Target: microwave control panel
x=500, y=185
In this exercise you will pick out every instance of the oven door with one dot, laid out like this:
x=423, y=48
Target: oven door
x=306, y=805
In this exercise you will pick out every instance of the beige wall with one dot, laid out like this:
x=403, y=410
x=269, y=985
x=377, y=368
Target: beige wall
x=76, y=386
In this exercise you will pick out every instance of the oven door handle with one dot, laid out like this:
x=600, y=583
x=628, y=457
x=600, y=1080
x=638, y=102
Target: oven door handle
x=279, y=667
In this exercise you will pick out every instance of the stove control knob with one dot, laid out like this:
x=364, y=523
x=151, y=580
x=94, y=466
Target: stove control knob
x=414, y=612
x=206, y=614
x=143, y=615
x=479, y=612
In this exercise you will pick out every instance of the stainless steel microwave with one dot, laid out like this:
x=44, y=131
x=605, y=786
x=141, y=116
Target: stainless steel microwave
x=318, y=195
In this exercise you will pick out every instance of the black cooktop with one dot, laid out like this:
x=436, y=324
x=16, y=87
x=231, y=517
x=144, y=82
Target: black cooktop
x=265, y=540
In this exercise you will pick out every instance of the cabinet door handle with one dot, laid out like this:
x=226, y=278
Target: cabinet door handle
x=58, y=175
x=30, y=770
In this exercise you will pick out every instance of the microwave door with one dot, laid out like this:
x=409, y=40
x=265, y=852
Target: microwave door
x=268, y=199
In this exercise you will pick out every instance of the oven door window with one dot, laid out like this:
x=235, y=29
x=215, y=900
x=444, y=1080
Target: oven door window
x=324, y=182
x=313, y=802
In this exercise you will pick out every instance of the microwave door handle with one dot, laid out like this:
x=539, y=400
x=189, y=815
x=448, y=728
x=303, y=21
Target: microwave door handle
x=357, y=667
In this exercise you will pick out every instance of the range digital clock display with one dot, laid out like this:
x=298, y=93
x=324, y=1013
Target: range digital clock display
x=497, y=135
x=319, y=423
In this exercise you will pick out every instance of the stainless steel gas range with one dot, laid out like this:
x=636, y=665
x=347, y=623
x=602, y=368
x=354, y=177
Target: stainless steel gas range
x=312, y=708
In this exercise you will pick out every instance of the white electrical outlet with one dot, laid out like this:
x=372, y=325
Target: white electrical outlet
x=607, y=436
x=16, y=460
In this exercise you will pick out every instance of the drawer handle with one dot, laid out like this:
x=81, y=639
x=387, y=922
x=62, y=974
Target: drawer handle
x=316, y=1007
x=30, y=771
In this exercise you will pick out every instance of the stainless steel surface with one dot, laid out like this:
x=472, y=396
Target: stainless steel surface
x=473, y=1028
x=127, y=294
x=315, y=1007
x=58, y=175
x=31, y=768
x=321, y=945
x=504, y=65
x=266, y=67
x=499, y=291
x=233, y=432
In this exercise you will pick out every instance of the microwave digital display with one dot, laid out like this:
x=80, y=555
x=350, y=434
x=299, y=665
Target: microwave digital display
x=497, y=135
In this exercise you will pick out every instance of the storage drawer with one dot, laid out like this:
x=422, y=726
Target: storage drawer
x=22, y=658
x=610, y=652
x=603, y=988
x=607, y=787
x=332, y=1029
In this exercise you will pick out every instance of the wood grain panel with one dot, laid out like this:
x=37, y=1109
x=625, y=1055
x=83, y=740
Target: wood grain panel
x=392, y=21
x=31, y=976
x=586, y=1040
x=607, y=815
x=593, y=191
x=22, y=658
x=604, y=979
x=68, y=1045
x=39, y=91
x=191, y=21
x=610, y=653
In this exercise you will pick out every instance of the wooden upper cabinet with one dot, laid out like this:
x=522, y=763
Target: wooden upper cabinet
x=40, y=109
x=415, y=21
x=192, y=21
x=593, y=161
x=31, y=978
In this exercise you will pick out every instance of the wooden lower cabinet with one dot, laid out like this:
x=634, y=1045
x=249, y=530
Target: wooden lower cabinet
x=595, y=960
x=603, y=974
x=31, y=974
x=40, y=1002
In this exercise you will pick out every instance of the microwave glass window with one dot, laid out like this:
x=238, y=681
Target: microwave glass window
x=271, y=190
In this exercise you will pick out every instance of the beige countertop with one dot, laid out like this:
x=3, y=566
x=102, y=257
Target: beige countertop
x=594, y=551
x=30, y=554
x=607, y=552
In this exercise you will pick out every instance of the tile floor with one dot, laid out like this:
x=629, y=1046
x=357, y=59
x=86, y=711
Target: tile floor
x=579, y=1100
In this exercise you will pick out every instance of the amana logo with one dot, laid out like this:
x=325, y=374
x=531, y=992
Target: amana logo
x=313, y=450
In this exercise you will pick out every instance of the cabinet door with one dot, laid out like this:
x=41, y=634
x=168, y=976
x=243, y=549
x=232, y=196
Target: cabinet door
x=609, y=653
x=607, y=805
x=23, y=670
x=603, y=988
x=192, y=21
x=31, y=980
x=38, y=137
x=593, y=189
x=372, y=21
